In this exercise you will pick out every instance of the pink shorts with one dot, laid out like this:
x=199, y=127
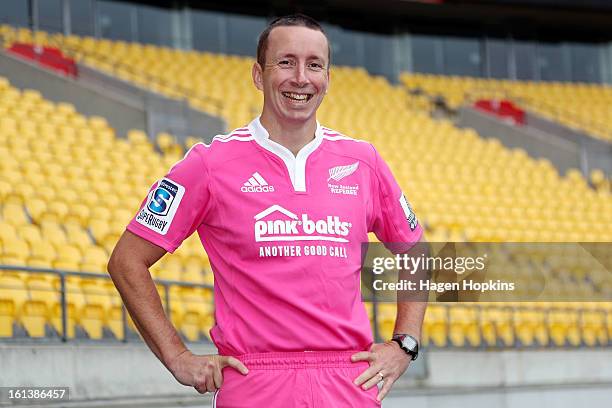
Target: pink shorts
x=317, y=379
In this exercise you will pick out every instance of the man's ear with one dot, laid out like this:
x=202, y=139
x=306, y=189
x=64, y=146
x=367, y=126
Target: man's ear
x=328, y=80
x=257, y=73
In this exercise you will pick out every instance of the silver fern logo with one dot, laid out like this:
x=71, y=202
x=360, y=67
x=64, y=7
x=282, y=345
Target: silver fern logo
x=339, y=172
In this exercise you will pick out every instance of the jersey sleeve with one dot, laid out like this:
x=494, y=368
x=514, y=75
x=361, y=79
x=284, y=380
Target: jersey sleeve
x=393, y=221
x=176, y=205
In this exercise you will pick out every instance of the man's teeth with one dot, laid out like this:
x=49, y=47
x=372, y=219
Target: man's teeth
x=297, y=97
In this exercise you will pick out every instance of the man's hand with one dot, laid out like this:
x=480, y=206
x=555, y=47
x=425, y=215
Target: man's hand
x=203, y=372
x=387, y=359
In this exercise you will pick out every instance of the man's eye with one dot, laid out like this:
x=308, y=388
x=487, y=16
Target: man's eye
x=316, y=65
x=284, y=63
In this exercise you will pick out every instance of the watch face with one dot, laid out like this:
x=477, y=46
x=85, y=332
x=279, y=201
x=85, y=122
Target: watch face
x=410, y=343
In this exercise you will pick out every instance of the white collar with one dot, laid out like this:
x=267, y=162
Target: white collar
x=296, y=165
x=260, y=132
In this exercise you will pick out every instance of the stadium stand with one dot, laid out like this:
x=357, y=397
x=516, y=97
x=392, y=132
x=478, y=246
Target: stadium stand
x=587, y=107
x=463, y=187
x=62, y=216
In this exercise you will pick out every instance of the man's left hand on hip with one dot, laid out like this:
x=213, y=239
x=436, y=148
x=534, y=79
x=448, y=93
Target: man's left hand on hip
x=387, y=363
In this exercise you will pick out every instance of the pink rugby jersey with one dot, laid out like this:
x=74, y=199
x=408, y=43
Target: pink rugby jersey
x=283, y=234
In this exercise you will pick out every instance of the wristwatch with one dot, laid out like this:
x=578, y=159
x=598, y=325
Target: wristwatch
x=407, y=343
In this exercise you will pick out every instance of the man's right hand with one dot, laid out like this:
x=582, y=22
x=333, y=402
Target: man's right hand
x=203, y=372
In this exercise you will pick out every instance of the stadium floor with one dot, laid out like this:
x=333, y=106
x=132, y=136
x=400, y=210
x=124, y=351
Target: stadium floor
x=567, y=395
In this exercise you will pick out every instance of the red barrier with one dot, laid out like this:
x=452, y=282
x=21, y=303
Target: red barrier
x=503, y=109
x=48, y=57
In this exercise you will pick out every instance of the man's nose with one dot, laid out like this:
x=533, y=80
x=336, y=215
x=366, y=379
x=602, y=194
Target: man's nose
x=300, y=75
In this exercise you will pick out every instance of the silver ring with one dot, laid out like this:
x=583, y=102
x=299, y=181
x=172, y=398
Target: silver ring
x=382, y=377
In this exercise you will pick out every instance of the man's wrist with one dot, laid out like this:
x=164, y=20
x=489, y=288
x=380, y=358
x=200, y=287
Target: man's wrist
x=407, y=343
x=170, y=362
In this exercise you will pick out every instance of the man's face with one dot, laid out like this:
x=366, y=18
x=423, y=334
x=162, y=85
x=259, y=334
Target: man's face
x=295, y=76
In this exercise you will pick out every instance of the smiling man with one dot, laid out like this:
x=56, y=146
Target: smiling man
x=281, y=207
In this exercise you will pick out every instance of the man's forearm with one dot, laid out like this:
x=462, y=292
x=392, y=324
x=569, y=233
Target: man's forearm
x=142, y=301
x=411, y=306
x=410, y=318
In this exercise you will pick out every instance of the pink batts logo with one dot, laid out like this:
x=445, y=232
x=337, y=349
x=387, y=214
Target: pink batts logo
x=294, y=228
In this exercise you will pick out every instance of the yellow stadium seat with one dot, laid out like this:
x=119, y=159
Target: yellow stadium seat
x=68, y=258
x=34, y=317
x=14, y=214
x=196, y=310
x=7, y=317
x=529, y=326
x=559, y=327
x=21, y=193
x=94, y=259
x=101, y=213
x=463, y=326
x=193, y=275
x=42, y=255
x=114, y=317
x=8, y=232
x=36, y=208
x=99, y=229
x=30, y=234
x=499, y=320
x=77, y=236
x=93, y=313
x=15, y=303
x=74, y=304
x=54, y=233
x=5, y=190
x=137, y=137
x=12, y=298
x=78, y=214
x=435, y=328
x=593, y=328
x=15, y=252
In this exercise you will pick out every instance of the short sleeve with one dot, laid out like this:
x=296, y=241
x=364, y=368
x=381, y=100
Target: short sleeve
x=176, y=205
x=393, y=220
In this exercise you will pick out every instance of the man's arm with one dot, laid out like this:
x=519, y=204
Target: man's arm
x=411, y=308
x=388, y=358
x=129, y=268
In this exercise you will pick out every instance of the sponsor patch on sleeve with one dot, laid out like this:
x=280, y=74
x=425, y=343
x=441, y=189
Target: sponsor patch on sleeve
x=162, y=204
x=410, y=215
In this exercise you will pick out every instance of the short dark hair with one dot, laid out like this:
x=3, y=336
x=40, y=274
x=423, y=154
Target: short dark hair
x=292, y=20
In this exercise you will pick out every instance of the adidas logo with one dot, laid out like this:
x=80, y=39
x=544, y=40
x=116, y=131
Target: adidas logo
x=256, y=184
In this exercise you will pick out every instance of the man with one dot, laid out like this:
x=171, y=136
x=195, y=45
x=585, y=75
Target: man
x=282, y=207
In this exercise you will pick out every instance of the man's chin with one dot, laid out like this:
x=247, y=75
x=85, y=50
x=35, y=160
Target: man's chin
x=296, y=117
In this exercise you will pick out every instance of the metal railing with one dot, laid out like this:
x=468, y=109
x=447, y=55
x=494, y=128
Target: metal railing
x=475, y=309
x=64, y=274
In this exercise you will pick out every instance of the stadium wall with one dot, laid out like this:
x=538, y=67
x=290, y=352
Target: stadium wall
x=113, y=372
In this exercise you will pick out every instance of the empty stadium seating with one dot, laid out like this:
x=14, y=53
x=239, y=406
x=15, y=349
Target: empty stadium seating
x=68, y=213
x=586, y=107
x=463, y=187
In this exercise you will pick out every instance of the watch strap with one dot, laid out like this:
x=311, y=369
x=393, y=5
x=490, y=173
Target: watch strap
x=412, y=353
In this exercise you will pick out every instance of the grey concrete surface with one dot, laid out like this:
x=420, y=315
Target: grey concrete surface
x=128, y=375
